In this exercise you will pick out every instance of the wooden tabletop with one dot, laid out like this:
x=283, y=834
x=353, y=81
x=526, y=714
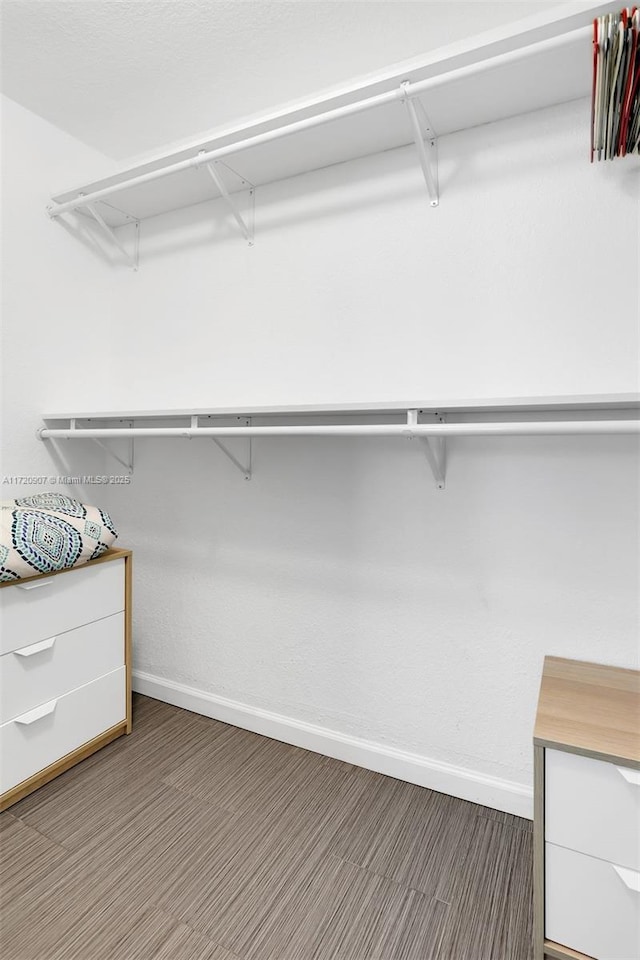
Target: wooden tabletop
x=590, y=708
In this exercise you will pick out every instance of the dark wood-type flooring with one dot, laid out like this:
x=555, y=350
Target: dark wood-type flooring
x=194, y=840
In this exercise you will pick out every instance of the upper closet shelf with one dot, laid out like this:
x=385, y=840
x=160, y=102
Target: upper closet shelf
x=497, y=75
x=429, y=423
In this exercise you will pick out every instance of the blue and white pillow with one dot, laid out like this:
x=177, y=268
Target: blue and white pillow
x=50, y=531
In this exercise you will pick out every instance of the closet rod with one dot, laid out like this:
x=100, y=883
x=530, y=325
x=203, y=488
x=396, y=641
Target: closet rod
x=408, y=89
x=538, y=428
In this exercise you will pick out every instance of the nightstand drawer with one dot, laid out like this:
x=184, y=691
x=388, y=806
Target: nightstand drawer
x=36, y=739
x=591, y=906
x=47, y=606
x=52, y=667
x=593, y=807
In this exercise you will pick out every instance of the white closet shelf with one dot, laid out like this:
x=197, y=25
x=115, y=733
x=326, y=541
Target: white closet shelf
x=428, y=422
x=540, y=62
x=576, y=402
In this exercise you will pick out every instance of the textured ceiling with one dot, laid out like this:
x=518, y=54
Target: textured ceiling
x=128, y=76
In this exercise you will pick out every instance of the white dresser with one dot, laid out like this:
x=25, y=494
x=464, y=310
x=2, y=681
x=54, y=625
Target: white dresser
x=65, y=670
x=587, y=812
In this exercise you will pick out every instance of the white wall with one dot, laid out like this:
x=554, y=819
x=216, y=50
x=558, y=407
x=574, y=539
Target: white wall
x=338, y=588
x=57, y=297
x=357, y=289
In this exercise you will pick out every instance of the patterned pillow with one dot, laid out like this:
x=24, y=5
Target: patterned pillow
x=49, y=531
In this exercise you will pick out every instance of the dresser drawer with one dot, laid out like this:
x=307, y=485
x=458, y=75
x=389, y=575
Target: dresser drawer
x=45, y=607
x=35, y=740
x=50, y=668
x=593, y=807
x=591, y=906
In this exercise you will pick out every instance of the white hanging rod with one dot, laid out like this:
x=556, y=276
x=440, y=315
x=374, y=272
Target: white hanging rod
x=538, y=428
x=400, y=93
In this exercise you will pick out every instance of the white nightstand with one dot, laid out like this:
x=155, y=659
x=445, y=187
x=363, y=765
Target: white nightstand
x=65, y=670
x=587, y=813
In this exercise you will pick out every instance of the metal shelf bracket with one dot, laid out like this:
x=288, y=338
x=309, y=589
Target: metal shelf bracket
x=425, y=141
x=132, y=259
x=128, y=464
x=435, y=449
x=213, y=171
x=244, y=468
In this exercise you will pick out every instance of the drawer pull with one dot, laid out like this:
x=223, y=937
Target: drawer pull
x=630, y=878
x=33, y=586
x=42, y=711
x=35, y=648
x=631, y=776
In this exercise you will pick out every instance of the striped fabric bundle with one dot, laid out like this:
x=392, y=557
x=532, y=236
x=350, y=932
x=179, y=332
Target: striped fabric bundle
x=615, y=109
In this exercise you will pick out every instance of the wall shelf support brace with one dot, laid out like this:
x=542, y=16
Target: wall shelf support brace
x=214, y=173
x=128, y=464
x=425, y=142
x=244, y=468
x=435, y=450
x=131, y=260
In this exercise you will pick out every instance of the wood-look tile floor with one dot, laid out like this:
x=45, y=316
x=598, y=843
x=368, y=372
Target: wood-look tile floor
x=194, y=840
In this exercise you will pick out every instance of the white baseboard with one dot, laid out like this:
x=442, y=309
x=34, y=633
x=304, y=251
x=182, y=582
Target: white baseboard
x=516, y=798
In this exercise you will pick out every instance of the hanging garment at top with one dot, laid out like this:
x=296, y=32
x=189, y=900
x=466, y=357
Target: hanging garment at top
x=615, y=104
